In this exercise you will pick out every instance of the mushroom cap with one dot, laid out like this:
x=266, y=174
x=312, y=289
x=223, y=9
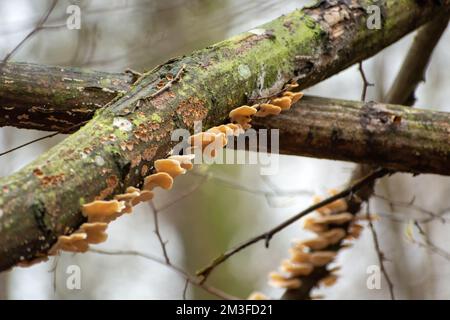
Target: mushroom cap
x=145, y=195
x=317, y=243
x=203, y=139
x=295, y=96
x=184, y=160
x=329, y=280
x=322, y=258
x=297, y=269
x=132, y=189
x=266, y=109
x=339, y=218
x=237, y=129
x=278, y=280
x=126, y=196
x=334, y=235
x=76, y=242
x=245, y=111
x=284, y=102
x=98, y=209
x=292, y=85
x=170, y=166
x=310, y=223
x=299, y=256
x=160, y=179
x=95, y=231
x=243, y=121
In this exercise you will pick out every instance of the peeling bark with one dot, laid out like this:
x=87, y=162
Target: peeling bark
x=42, y=201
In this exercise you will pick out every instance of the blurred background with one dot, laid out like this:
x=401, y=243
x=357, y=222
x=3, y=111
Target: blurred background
x=218, y=206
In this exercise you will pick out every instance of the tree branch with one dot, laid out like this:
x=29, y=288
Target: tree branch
x=42, y=201
x=428, y=39
x=395, y=137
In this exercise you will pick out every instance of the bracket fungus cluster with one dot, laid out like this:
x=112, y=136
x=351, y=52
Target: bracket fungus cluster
x=99, y=213
x=331, y=225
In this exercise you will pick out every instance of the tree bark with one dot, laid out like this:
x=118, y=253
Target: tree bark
x=54, y=98
x=391, y=136
x=118, y=146
x=410, y=75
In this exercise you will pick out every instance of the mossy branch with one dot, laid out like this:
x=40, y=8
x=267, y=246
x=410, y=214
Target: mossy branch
x=118, y=146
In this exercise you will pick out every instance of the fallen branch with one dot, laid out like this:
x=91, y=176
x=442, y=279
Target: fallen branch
x=118, y=146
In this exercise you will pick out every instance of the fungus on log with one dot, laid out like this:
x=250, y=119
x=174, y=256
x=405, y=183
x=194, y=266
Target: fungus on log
x=134, y=129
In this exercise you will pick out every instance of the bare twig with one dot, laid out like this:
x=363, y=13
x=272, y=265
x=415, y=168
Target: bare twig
x=67, y=130
x=380, y=254
x=184, y=195
x=158, y=233
x=39, y=26
x=267, y=236
x=428, y=244
x=411, y=205
x=191, y=279
x=366, y=83
x=186, y=285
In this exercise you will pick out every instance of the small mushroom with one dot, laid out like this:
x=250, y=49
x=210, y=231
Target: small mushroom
x=160, y=179
x=292, y=85
x=299, y=256
x=295, y=97
x=95, y=231
x=170, y=166
x=312, y=225
x=317, y=243
x=144, y=196
x=237, y=129
x=355, y=230
x=184, y=160
x=266, y=109
x=225, y=129
x=322, y=258
x=278, y=280
x=242, y=116
x=243, y=111
x=329, y=280
x=76, y=242
x=297, y=269
x=102, y=211
x=334, y=235
x=204, y=139
x=284, y=102
x=339, y=218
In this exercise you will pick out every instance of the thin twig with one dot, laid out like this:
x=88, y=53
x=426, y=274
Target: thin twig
x=66, y=130
x=267, y=236
x=158, y=233
x=191, y=279
x=429, y=244
x=39, y=26
x=411, y=205
x=366, y=83
x=184, y=195
x=186, y=285
x=380, y=254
